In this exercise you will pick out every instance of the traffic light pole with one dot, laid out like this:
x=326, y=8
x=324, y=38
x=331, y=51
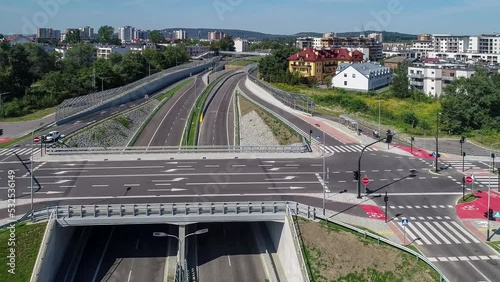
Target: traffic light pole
x=386, y=200
x=359, y=164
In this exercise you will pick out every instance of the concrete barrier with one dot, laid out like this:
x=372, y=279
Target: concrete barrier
x=282, y=238
x=52, y=250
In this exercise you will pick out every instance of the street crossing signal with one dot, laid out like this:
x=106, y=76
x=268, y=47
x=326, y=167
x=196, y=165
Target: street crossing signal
x=355, y=175
x=464, y=154
x=389, y=136
x=462, y=140
x=489, y=214
x=1, y=131
x=386, y=198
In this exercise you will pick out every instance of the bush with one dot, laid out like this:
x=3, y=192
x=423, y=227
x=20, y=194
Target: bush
x=410, y=118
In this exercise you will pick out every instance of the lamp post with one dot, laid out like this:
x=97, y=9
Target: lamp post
x=437, y=140
x=379, y=112
x=181, y=241
x=102, y=82
x=489, y=191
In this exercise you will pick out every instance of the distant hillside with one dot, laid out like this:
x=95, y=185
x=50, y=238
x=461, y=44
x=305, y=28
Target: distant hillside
x=202, y=33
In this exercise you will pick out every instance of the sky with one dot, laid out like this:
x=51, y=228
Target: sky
x=467, y=17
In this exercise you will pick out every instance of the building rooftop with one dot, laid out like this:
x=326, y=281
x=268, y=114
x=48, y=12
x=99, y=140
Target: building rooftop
x=395, y=60
x=367, y=69
x=313, y=55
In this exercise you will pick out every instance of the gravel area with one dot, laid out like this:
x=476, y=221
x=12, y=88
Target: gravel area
x=254, y=131
x=115, y=132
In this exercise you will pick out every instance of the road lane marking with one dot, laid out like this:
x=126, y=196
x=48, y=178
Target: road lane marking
x=238, y=165
x=478, y=271
x=100, y=185
x=163, y=184
x=250, y=183
x=132, y=185
x=103, y=253
x=212, y=166
x=68, y=186
x=101, y=168
x=167, y=190
x=184, y=166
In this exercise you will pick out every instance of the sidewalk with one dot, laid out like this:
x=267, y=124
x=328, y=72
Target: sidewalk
x=331, y=128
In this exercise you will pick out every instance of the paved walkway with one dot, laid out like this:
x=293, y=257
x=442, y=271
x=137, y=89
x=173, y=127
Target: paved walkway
x=18, y=129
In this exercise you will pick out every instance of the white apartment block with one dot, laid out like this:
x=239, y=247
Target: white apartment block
x=450, y=43
x=467, y=57
x=179, y=35
x=431, y=78
x=241, y=45
x=362, y=76
x=379, y=37
x=308, y=42
x=142, y=34
x=421, y=48
x=126, y=34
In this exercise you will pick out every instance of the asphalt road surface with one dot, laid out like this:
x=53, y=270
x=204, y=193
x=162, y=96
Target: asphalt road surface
x=218, y=125
x=228, y=252
x=167, y=126
x=121, y=253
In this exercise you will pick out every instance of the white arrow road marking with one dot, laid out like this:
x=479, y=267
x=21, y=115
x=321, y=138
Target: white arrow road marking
x=48, y=193
x=286, y=188
x=166, y=190
x=60, y=172
x=58, y=182
x=286, y=178
x=176, y=169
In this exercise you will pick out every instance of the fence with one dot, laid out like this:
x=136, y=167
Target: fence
x=293, y=100
x=95, y=101
x=176, y=150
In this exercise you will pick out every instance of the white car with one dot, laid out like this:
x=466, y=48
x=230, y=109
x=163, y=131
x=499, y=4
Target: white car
x=52, y=136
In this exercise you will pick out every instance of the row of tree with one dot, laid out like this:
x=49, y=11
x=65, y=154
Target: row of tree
x=274, y=68
x=38, y=79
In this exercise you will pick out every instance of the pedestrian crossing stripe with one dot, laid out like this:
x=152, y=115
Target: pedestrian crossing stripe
x=345, y=149
x=19, y=151
x=459, y=165
x=463, y=258
x=438, y=233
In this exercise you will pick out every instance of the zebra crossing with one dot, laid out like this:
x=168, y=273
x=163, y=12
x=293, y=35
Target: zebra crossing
x=444, y=232
x=344, y=149
x=486, y=181
x=20, y=151
x=466, y=165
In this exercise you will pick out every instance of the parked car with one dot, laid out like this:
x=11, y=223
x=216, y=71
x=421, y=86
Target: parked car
x=52, y=136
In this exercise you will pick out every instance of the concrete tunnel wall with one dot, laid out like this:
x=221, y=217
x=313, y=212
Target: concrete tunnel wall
x=281, y=235
x=55, y=241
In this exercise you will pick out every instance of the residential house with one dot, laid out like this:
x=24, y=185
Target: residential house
x=320, y=64
x=362, y=77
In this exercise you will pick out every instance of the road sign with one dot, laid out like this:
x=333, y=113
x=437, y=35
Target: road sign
x=496, y=214
x=36, y=139
x=404, y=222
x=469, y=179
x=365, y=181
x=433, y=154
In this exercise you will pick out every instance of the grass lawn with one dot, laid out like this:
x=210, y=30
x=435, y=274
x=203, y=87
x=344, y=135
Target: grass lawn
x=283, y=134
x=244, y=62
x=495, y=245
x=468, y=198
x=28, y=238
x=334, y=253
x=33, y=116
x=174, y=90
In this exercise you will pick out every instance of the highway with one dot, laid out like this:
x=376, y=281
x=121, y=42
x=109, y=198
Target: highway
x=122, y=253
x=218, y=125
x=167, y=126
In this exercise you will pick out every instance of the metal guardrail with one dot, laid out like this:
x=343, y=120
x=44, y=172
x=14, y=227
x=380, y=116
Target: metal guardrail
x=176, y=150
x=293, y=100
x=298, y=245
x=310, y=213
x=73, y=106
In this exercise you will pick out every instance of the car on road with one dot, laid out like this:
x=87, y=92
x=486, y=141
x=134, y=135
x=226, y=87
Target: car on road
x=52, y=136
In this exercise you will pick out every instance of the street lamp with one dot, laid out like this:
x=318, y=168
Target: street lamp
x=489, y=191
x=437, y=140
x=181, y=241
x=102, y=82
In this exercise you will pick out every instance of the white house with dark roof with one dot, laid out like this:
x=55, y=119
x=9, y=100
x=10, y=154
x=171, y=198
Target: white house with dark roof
x=362, y=76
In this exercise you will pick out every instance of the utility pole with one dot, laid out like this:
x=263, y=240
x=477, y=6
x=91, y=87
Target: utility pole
x=324, y=174
x=386, y=200
x=489, y=191
x=462, y=153
x=389, y=139
x=437, y=141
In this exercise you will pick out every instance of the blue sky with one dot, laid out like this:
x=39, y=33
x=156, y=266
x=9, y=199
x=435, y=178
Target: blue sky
x=269, y=16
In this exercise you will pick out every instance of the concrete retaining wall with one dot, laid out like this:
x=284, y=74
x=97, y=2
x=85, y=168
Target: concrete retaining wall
x=140, y=91
x=52, y=250
x=282, y=238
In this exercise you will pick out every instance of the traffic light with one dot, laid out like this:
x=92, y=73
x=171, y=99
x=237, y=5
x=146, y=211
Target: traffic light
x=462, y=140
x=386, y=198
x=493, y=155
x=1, y=131
x=355, y=174
x=489, y=214
x=464, y=154
x=389, y=136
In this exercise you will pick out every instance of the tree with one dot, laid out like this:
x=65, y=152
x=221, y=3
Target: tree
x=41, y=62
x=275, y=66
x=400, y=84
x=156, y=37
x=73, y=36
x=105, y=35
x=224, y=44
x=1, y=36
x=80, y=56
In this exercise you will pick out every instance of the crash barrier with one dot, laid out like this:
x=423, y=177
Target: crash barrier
x=176, y=150
x=293, y=100
x=74, y=108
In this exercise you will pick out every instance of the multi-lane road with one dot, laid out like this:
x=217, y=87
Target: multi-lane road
x=426, y=199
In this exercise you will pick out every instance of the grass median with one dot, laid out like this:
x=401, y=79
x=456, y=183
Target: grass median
x=467, y=199
x=191, y=134
x=27, y=238
x=163, y=98
x=29, y=117
x=362, y=259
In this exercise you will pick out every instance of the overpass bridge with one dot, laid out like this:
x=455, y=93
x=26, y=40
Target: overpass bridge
x=231, y=53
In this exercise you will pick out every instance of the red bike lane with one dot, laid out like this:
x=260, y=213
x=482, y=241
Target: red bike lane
x=477, y=208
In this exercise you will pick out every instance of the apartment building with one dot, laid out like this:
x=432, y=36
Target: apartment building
x=375, y=47
x=321, y=64
x=126, y=34
x=215, y=35
x=362, y=77
x=433, y=76
x=86, y=33
x=241, y=45
x=69, y=31
x=179, y=35
x=141, y=35
x=48, y=34
x=197, y=50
